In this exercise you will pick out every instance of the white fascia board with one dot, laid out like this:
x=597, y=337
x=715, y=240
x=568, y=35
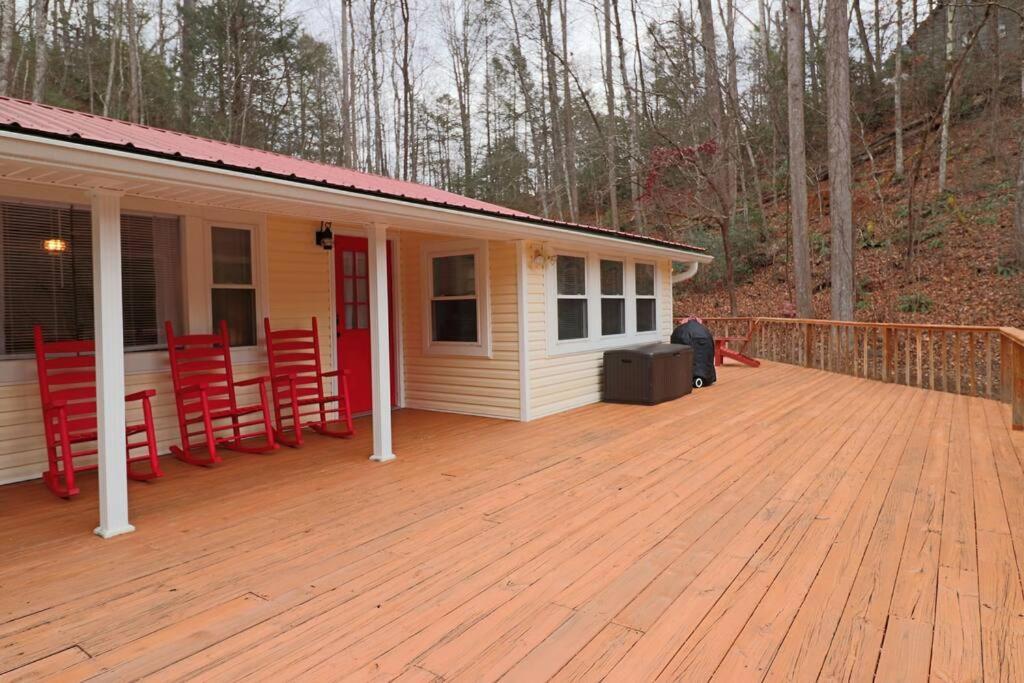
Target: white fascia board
x=123, y=166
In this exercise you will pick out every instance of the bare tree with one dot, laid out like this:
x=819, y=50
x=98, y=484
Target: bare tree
x=1018, y=214
x=947, y=102
x=797, y=158
x=837, y=73
x=897, y=91
x=609, y=91
x=134, y=65
x=39, y=24
x=634, y=122
x=6, y=44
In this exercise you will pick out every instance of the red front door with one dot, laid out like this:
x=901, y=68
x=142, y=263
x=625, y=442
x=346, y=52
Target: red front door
x=352, y=283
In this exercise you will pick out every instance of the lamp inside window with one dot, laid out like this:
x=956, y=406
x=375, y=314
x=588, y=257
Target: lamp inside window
x=55, y=245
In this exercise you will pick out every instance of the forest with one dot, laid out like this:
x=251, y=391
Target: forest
x=794, y=139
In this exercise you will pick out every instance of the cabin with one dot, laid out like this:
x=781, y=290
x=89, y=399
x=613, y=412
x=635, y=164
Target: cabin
x=851, y=509
x=428, y=300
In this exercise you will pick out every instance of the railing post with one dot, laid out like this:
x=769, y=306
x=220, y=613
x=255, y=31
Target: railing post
x=808, y=344
x=1017, y=397
x=886, y=352
x=1006, y=368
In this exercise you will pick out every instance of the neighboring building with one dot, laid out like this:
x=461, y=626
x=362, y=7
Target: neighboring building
x=489, y=311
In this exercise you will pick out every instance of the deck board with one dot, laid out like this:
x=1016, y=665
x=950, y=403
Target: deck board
x=785, y=524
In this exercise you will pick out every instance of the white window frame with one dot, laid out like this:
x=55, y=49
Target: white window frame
x=637, y=297
x=595, y=341
x=481, y=270
x=602, y=296
x=256, y=237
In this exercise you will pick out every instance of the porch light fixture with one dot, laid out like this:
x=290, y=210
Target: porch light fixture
x=324, y=236
x=55, y=245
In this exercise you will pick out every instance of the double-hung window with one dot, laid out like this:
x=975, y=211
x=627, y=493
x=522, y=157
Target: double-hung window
x=233, y=292
x=571, y=283
x=646, y=300
x=46, y=276
x=456, y=310
x=613, y=298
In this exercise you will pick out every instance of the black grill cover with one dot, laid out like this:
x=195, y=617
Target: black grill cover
x=699, y=338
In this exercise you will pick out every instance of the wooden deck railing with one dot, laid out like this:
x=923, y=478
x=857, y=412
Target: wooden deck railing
x=961, y=359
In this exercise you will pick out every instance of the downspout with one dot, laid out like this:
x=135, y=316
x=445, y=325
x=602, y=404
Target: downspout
x=691, y=270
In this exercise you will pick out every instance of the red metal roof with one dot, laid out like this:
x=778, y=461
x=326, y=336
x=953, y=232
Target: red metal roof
x=48, y=121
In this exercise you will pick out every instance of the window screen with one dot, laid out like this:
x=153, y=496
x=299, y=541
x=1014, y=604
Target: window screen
x=47, y=275
x=646, y=303
x=233, y=297
x=453, y=299
x=613, y=301
x=571, y=276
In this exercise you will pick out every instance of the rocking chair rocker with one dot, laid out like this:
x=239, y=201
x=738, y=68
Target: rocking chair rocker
x=297, y=386
x=67, y=387
x=204, y=390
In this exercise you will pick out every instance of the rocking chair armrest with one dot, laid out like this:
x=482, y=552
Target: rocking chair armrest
x=287, y=376
x=251, y=381
x=141, y=395
x=337, y=373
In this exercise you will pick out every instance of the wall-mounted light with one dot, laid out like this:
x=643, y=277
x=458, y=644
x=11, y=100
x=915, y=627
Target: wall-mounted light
x=324, y=236
x=55, y=245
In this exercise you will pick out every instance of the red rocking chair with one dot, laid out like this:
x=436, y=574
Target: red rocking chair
x=297, y=385
x=723, y=349
x=208, y=410
x=67, y=387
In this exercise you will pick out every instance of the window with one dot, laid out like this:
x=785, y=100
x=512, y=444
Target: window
x=456, y=301
x=453, y=300
x=571, y=281
x=646, y=302
x=46, y=273
x=597, y=302
x=613, y=298
x=233, y=295
x=355, y=290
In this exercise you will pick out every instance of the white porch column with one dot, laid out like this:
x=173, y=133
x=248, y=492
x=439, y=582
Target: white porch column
x=380, y=341
x=109, y=330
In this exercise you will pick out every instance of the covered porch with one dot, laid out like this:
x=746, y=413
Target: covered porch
x=784, y=524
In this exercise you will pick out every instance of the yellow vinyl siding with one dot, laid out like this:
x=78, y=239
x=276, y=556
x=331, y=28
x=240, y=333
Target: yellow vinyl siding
x=465, y=384
x=298, y=288
x=563, y=382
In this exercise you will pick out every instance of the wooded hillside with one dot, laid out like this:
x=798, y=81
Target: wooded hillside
x=697, y=119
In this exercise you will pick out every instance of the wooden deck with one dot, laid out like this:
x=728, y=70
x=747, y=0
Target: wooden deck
x=786, y=524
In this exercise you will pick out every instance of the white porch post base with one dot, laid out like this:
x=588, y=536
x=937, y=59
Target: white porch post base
x=380, y=342
x=110, y=533
x=108, y=327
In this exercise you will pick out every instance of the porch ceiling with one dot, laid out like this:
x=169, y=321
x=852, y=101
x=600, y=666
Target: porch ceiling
x=785, y=524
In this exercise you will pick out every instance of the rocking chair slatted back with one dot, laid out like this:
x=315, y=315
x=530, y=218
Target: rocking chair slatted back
x=205, y=394
x=297, y=381
x=67, y=389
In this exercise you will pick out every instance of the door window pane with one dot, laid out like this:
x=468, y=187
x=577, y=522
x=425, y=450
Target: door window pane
x=238, y=308
x=232, y=256
x=454, y=320
x=572, y=318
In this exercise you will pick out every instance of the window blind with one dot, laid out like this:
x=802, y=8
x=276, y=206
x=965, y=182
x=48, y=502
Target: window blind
x=46, y=262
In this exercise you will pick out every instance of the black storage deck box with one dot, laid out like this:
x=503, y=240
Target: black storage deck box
x=648, y=374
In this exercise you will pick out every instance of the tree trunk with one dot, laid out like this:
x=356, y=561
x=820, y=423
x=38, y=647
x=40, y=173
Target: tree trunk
x=134, y=66
x=634, y=124
x=897, y=90
x=609, y=91
x=378, y=124
x=837, y=72
x=568, y=125
x=7, y=18
x=947, y=102
x=869, y=57
x=39, y=24
x=719, y=176
x=1018, y=214
x=797, y=158
x=115, y=14
x=407, y=94
x=551, y=83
